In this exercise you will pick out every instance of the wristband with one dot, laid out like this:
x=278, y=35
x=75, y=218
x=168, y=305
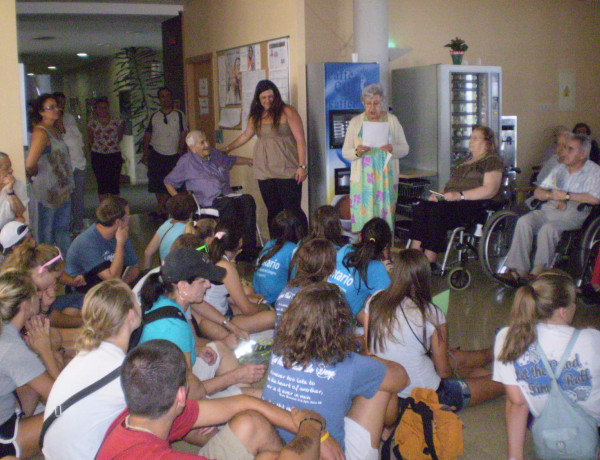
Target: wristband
x=11, y=193
x=314, y=420
x=325, y=436
x=462, y=196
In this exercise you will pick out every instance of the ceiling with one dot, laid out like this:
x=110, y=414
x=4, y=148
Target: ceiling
x=52, y=33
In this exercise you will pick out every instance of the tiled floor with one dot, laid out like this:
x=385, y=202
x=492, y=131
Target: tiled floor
x=473, y=317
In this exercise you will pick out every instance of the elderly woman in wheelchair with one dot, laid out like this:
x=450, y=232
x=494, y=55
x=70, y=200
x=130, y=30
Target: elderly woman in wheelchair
x=467, y=194
x=573, y=182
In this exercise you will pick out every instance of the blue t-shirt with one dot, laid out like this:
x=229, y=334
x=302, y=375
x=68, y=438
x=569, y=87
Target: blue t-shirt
x=272, y=275
x=168, y=232
x=328, y=390
x=171, y=329
x=90, y=249
x=283, y=301
x=353, y=286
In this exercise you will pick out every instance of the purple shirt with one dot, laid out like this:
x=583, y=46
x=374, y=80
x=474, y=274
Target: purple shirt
x=205, y=178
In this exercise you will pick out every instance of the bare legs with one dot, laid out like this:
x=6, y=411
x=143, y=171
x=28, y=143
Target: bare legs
x=431, y=256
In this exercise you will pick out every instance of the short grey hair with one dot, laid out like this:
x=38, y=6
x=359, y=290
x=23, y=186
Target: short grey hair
x=585, y=141
x=370, y=91
x=193, y=137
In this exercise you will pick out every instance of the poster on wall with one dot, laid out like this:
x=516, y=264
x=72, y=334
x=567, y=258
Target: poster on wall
x=279, y=66
x=249, y=81
x=203, y=87
x=251, y=58
x=234, y=77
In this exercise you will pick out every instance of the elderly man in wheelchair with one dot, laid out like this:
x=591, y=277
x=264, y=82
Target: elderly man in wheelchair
x=573, y=182
x=205, y=173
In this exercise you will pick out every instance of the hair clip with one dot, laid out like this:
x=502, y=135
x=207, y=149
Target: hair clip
x=372, y=239
x=219, y=235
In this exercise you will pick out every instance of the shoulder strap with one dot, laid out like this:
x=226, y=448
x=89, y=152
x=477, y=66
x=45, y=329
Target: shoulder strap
x=58, y=411
x=181, y=128
x=556, y=373
x=422, y=342
x=168, y=311
x=424, y=411
x=163, y=237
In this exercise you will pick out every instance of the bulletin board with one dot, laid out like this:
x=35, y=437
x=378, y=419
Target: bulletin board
x=240, y=69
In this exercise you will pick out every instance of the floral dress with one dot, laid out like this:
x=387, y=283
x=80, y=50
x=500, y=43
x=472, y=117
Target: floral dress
x=375, y=194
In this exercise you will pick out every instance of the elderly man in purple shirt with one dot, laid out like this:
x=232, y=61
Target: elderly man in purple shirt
x=205, y=173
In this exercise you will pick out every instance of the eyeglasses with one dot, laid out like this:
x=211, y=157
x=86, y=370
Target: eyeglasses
x=44, y=267
x=51, y=107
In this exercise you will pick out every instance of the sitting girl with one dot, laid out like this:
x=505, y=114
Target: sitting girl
x=26, y=369
x=273, y=266
x=313, y=352
x=541, y=316
x=325, y=223
x=248, y=312
x=405, y=327
x=359, y=268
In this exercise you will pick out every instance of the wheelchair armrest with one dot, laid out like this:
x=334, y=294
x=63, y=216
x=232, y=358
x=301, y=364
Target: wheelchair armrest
x=237, y=188
x=536, y=204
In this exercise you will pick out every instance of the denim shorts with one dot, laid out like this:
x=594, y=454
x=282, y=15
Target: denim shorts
x=454, y=393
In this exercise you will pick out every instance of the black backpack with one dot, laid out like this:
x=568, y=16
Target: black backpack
x=168, y=311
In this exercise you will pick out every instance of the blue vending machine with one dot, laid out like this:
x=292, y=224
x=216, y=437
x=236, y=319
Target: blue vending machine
x=333, y=90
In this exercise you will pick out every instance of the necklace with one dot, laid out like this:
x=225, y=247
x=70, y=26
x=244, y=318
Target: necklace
x=136, y=428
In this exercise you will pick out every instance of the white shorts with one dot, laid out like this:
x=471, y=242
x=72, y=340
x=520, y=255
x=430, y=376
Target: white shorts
x=358, y=442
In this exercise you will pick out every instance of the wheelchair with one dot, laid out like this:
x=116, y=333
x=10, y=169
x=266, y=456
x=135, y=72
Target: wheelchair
x=575, y=253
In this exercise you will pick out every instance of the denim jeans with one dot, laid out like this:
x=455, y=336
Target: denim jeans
x=53, y=226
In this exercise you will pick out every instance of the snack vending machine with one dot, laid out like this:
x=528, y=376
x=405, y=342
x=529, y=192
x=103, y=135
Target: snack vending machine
x=333, y=90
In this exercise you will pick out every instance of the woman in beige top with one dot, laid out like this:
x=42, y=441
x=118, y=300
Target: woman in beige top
x=279, y=153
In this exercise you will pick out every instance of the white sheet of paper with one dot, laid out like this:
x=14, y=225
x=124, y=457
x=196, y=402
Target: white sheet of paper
x=375, y=133
x=230, y=117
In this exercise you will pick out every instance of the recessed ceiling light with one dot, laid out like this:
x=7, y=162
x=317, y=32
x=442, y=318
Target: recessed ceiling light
x=51, y=67
x=82, y=55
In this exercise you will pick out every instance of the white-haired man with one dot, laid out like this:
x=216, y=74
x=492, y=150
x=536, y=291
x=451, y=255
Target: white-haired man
x=205, y=173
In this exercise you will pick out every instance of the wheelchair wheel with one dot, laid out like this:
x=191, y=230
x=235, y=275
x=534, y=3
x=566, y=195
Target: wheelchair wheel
x=588, y=250
x=459, y=278
x=495, y=240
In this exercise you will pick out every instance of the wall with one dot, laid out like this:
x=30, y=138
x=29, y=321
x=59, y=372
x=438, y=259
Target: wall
x=210, y=26
x=11, y=138
x=531, y=40
x=329, y=31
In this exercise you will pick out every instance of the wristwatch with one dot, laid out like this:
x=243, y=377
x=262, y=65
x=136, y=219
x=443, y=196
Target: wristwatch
x=462, y=196
x=302, y=166
x=567, y=197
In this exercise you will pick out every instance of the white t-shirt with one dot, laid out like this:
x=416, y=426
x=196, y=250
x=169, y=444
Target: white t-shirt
x=78, y=432
x=580, y=379
x=405, y=348
x=6, y=212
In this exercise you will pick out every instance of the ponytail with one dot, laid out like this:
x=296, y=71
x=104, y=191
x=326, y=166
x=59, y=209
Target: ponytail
x=227, y=238
x=285, y=227
x=536, y=302
x=151, y=290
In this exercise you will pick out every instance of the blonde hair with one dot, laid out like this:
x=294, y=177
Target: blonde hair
x=536, y=302
x=15, y=288
x=25, y=258
x=104, y=311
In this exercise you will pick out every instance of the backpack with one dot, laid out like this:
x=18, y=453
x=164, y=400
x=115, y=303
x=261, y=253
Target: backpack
x=426, y=430
x=564, y=430
x=168, y=311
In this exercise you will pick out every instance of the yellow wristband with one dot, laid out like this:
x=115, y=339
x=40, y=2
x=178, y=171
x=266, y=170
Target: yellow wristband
x=325, y=436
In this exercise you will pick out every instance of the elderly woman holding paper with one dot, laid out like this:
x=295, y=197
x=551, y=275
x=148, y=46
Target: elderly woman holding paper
x=374, y=142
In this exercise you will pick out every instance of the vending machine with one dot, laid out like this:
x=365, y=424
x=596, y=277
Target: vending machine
x=437, y=106
x=333, y=90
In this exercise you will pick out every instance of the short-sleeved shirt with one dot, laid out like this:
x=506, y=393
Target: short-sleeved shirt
x=167, y=233
x=90, y=250
x=18, y=366
x=580, y=378
x=6, y=212
x=85, y=423
x=271, y=276
x=353, y=286
x=165, y=136
x=121, y=443
x=466, y=176
x=283, y=301
x=106, y=137
x=205, y=178
x=172, y=329
x=586, y=180
x=328, y=390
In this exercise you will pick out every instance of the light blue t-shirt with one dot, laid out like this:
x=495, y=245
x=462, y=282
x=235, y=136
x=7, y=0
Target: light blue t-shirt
x=168, y=232
x=171, y=329
x=272, y=275
x=353, y=286
x=90, y=249
x=328, y=390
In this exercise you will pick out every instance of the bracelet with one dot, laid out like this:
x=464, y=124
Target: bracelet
x=11, y=193
x=314, y=420
x=325, y=437
x=225, y=321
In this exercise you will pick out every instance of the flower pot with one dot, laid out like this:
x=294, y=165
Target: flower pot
x=457, y=57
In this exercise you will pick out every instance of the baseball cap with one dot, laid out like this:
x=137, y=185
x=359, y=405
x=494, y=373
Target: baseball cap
x=183, y=264
x=13, y=233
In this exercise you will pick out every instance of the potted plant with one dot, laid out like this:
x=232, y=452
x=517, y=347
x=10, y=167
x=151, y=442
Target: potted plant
x=457, y=49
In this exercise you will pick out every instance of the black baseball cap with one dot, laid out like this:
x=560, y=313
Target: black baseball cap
x=183, y=264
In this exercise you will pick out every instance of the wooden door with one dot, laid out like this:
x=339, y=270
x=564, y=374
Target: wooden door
x=199, y=95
